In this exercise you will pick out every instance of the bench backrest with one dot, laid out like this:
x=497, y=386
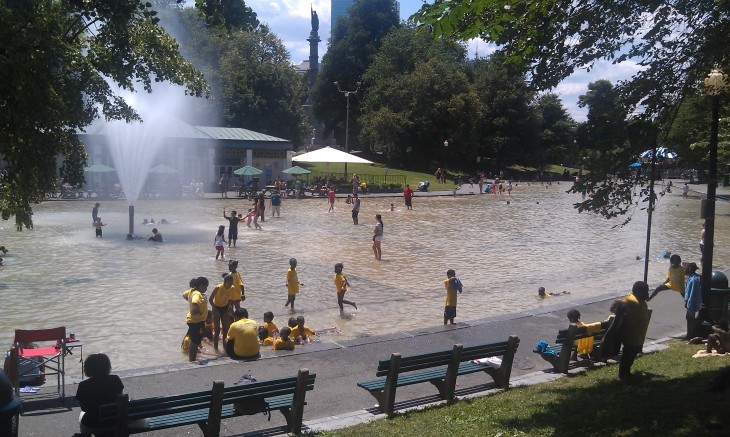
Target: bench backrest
x=265, y=389
x=416, y=362
x=443, y=358
x=157, y=406
x=486, y=350
x=581, y=332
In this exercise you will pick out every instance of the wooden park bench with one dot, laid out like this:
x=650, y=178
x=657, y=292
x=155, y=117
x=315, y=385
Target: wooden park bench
x=559, y=356
x=440, y=369
x=207, y=408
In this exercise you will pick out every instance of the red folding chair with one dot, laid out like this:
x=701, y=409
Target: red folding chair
x=49, y=360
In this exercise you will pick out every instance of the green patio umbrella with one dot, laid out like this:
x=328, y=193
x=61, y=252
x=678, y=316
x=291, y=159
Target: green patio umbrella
x=247, y=171
x=163, y=169
x=99, y=168
x=296, y=170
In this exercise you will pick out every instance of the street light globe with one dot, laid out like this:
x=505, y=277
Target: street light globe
x=446, y=143
x=716, y=82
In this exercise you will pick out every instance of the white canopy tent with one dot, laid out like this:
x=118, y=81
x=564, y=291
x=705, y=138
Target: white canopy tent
x=328, y=154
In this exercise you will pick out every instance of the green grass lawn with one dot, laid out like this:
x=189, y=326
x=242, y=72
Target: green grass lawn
x=412, y=177
x=668, y=396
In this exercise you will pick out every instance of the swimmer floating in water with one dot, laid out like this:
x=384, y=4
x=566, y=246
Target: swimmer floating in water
x=542, y=295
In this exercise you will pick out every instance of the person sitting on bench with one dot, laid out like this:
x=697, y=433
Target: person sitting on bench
x=100, y=388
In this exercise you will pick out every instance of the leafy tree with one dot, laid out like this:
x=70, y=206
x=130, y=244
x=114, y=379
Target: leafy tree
x=417, y=97
x=253, y=84
x=507, y=130
x=59, y=64
x=557, y=131
x=354, y=42
x=614, y=144
x=690, y=132
x=228, y=14
x=676, y=42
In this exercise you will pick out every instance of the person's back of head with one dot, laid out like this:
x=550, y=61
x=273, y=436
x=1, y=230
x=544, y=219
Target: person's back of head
x=300, y=320
x=724, y=325
x=285, y=333
x=268, y=316
x=292, y=322
x=241, y=313
x=263, y=333
x=339, y=267
x=450, y=273
x=690, y=268
x=675, y=260
x=97, y=365
x=640, y=290
x=541, y=291
x=574, y=316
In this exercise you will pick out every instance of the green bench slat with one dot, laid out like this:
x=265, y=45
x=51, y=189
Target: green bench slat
x=465, y=368
x=193, y=408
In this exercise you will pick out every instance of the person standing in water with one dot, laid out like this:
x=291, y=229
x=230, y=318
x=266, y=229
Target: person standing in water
x=197, y=314
x=219, y=242
x=232, y=227
x=342, y=285
x=355, y=208
x=378, y=237
x=95, y=212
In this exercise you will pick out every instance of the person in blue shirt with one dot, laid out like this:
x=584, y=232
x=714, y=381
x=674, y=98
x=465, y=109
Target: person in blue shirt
x=692, y=297
x=275, y=200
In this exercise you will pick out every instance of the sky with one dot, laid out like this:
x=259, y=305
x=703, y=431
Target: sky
x=290, y=21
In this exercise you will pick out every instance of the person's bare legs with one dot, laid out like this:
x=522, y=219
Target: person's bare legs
x=341, y=300
x=377, y=250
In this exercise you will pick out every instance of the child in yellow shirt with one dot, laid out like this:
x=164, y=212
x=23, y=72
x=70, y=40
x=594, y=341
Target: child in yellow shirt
x=284, y=343
x=301, y=333
x=292, y=283
x=269, y=324
x=264, y=338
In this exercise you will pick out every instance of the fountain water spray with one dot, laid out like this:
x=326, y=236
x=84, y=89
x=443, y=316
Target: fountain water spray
x=134, y=146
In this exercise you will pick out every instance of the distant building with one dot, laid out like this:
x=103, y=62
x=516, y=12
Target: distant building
x=338, y=9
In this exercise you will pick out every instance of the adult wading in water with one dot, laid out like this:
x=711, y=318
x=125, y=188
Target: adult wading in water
x=378, y=237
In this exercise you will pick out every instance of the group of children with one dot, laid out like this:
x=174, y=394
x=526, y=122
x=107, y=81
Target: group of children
x=296, y=333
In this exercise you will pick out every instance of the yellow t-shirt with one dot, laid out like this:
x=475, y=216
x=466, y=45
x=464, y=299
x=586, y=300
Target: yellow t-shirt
x=295, y=332
x=222, y=296
x=268, y=341
x=633, y=329
x=196, y=300
x=675, y=278
x=270, y=327
x=340, y=282
x=584, y=345
x=245, y=334
x=451, y=293
x=236, y=293
x=292, y=282
x=283, y=345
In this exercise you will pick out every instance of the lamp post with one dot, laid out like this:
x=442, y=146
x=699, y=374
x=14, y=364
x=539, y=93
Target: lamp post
x=716, y=83
x=347, y=117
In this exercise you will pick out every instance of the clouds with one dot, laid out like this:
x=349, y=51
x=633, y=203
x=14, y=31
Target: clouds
x=290, y=20
x=577, y=83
